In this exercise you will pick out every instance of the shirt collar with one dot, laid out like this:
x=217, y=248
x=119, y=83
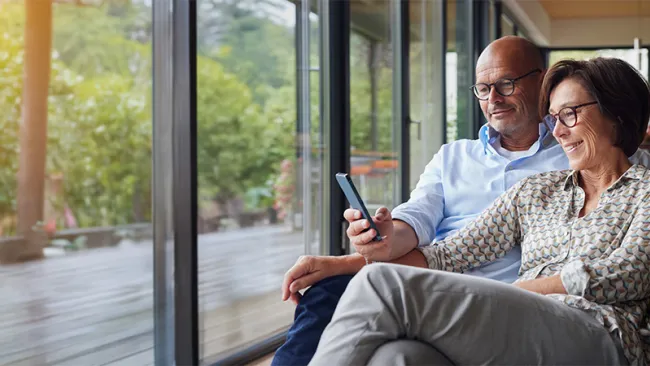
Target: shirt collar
x=487, y=135
x=636, y=172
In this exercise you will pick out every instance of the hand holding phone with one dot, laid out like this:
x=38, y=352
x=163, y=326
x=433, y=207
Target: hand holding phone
x=352, y=195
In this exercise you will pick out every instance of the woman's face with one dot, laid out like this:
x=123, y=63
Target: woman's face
x=591, y=139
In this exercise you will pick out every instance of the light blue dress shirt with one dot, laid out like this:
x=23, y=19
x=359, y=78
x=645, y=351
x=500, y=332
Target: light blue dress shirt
x=465, y=176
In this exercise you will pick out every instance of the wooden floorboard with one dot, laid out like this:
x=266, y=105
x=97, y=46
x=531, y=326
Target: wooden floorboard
x=95, y=307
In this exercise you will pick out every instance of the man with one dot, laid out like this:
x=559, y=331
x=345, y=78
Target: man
x=462, y=179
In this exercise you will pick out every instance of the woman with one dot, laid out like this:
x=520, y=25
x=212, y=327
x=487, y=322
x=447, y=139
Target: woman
x=584, y=284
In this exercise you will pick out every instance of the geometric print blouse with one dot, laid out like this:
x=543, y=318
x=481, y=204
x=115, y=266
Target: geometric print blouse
x=603, y=258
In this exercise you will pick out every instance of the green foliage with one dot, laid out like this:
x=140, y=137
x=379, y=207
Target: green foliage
x=100, y=123
x=11, y=83
x=360, y=98
x=103, y=149
x=10, y=94
x=238, y=145
x=243, y=36
x=93, y=43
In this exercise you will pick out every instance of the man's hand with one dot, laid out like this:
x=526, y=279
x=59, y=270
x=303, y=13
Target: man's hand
x=363, y=242
x=307, y=271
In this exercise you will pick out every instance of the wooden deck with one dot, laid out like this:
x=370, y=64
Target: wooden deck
x=96, y=307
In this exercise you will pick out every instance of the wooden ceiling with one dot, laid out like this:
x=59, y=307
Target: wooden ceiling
x=563, y=9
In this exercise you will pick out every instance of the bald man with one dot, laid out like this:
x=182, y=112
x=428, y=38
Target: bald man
x=461, y=180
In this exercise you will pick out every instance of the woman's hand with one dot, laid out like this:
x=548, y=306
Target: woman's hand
x=307, y=271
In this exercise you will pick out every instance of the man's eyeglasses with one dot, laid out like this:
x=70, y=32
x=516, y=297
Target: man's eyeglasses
x=503, y=86
x=568, y=116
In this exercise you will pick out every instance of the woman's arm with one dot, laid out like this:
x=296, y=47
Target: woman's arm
x=489, y=237
x=624, y=275
x=544, y=286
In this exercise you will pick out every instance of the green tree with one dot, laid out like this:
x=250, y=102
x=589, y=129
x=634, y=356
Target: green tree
x=360, y=98
x=98, y=40
x=249, y=39
x=99, y=123
x=238, y=145
x=99, y=119
x=102, y=147
x=11, y=52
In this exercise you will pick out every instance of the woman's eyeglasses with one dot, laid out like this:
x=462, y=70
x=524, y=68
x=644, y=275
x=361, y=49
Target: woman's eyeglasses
x=503, y=86
x=568, y=116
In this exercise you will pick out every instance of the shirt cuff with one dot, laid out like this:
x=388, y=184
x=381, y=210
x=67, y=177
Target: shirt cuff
x=432, y=261
x=575, y=278
x=420, y=231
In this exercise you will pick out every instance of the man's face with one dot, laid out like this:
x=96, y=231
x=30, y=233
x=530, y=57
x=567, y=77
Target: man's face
x=508, y=114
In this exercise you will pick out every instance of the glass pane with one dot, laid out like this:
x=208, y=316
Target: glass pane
x=491, y=26
x=252, y=168
x=451, y=73
x=426, y=93
x=636, y=58
x=418, y=88
x=374, y=144
x=75, y=172
x=460, y=72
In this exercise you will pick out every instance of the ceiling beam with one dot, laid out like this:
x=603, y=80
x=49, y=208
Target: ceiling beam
x=530, y=15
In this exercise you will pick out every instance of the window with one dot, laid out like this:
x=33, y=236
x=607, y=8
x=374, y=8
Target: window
x=636, y=58
x=75, y=172
x=427, y=59
x=254, y=171
x=374, y=133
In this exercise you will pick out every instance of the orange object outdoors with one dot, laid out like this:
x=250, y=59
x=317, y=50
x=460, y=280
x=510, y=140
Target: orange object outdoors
x=360, y=170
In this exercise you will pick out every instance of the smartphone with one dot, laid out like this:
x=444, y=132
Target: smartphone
x=355, y=200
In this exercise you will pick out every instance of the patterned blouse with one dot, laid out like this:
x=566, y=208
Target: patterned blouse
x=602, y=257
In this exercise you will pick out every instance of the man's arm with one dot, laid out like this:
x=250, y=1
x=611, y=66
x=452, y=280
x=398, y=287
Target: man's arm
x=414, y=258
x=404, y=240
x=403, y=253
x=416, y=221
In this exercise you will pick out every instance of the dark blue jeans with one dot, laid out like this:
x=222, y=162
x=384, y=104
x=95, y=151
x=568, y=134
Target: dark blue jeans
x=313, y=313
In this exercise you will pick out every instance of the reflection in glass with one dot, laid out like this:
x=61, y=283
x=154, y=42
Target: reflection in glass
x=451, y=71
x=75, y=172
x=251, y=167
x=373, y=142
x=426, y=91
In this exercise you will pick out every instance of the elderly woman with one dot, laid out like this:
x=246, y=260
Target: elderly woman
x=584, y=284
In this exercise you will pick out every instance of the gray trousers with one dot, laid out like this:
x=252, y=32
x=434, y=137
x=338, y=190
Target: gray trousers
x=464, y=319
